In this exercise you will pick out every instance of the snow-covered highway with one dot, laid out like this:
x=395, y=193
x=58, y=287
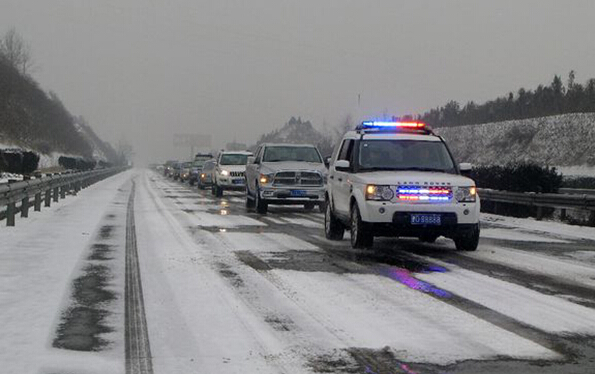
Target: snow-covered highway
x=225, y=290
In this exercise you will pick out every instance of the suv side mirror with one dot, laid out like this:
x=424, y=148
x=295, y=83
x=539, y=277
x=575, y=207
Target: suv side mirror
x=342, y=165
x=250, y=160
x=327, y=161
x=465, y=168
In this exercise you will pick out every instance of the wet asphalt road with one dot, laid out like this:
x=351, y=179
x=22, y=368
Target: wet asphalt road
x=401, y=260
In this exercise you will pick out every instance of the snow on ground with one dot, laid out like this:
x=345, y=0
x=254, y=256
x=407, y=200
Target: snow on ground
x=38, y=261
x=333, y=310
x=374, y=312
x=545, y=312
x=517, y=235
x=556, y=228
x=537, y=263
x=577, y=171
x=5, y=177
x=263, y=242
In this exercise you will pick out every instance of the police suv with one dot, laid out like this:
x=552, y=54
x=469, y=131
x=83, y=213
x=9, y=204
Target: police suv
x=399, y=179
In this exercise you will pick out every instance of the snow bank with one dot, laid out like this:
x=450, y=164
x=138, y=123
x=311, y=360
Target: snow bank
x=563, y=140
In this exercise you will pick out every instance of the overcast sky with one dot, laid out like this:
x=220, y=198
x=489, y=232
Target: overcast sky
x=146, y=69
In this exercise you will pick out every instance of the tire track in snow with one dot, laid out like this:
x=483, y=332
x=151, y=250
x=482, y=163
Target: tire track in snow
x=138, y=350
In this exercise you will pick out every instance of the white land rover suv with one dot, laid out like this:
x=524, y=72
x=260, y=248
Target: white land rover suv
x=399, y=179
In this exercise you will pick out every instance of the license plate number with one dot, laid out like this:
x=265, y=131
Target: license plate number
x=426, y=219
x=238, y=181
x=298, y=193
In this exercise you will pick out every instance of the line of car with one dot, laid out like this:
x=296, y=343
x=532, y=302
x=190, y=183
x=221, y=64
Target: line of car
x=383, y=179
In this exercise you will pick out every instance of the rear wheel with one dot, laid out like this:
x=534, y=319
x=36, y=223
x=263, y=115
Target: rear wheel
x=261, y=206
x=333, y=228
x=469, y=242
x=360, y=237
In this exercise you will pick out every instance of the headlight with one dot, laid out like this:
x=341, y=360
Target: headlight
x=466, y=194
x=203, y=175
x=265, y=178
x=380, y=193
x=225, y=173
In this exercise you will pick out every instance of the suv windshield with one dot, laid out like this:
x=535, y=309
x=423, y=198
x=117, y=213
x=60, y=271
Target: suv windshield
x=396, y=154
x=234, y=159
x=280, y=153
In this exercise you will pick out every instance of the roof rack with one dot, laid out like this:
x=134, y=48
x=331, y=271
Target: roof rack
x=394, y=127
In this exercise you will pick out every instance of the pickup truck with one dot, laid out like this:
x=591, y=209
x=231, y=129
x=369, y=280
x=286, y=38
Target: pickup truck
x=285, y=174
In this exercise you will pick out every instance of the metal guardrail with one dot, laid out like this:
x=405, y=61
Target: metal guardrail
x=562, y=201
x=45, y=190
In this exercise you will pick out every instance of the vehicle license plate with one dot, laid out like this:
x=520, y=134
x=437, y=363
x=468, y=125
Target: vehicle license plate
x=238, y=181
x=298, y=193
x=425, y=219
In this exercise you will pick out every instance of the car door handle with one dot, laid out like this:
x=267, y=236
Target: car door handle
x=332, y=177
x=340, y=179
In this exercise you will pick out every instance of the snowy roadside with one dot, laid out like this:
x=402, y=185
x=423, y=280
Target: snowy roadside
x=556, y=228
x=39, y=260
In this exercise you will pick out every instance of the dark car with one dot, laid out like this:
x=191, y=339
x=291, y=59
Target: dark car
x=197, y=166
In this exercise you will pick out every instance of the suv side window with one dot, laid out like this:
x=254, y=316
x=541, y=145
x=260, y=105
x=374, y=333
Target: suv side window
x=257, y=155
x=346, y=150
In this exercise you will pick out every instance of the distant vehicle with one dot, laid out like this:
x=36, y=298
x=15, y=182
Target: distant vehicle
x=168, y=168
x=206, y=175
x=197, y=165
x=229, y=172
x=185, y=171
x=399, y=179
x=176, y=170
x=285, y=174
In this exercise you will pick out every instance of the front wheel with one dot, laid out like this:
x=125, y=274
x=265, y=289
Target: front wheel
x=249, y=202
x=333, y=228
x=360, y=236
x=469, y=242
x=218, y=191
x=262, y=207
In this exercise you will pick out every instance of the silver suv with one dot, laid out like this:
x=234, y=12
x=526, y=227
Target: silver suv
x=285, y=174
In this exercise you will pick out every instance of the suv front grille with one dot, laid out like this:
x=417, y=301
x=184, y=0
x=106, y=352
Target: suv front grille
x=292, y=178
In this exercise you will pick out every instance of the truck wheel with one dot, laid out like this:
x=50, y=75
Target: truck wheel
x=249, y=202
x=333, y=228
x=218, y=191
x=468, y=242
x=360, y=237
x=261, y=206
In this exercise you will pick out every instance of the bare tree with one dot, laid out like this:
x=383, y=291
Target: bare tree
x=16, y=52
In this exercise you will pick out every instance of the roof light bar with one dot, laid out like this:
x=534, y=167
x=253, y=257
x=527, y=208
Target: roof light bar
x=383, y=124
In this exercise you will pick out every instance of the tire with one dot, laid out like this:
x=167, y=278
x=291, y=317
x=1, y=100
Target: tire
x=469, y=242
x=249, y=201
x=360, y=237
x=333, y=228
x=262, y=207
x=429, y=238
x=218, y=191
x=309, y=206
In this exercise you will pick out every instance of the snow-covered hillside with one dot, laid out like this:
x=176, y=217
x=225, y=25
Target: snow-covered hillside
x=563, y=140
